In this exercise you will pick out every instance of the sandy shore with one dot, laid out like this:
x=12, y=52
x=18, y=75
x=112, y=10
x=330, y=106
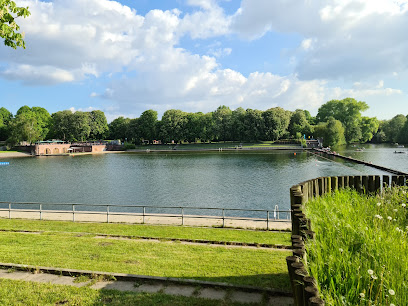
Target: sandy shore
x=189, y=220
x=14, y=154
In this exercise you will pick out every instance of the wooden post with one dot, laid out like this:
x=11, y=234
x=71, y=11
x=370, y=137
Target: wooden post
x=371, y=183
x=289, y=261
x=315, y=301
x=334, y=183
x=310, y=292
x=357, y=184
x=299, y=285
x=377, y=183
x=316, y=191
x=346, y=182
x=327, y=183
x=394, y=180
x=320, y=184
x=401, y=180
x=365, y=183
x=341, y=182
x=386, y=181
x=351, y=182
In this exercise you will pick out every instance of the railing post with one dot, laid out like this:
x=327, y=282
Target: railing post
x=223, y=218
x=9, y=210
x=144, y=212
x=40, y=211
x=267, y=220
x=107, y=213
x=182, y=216
x=73, y=212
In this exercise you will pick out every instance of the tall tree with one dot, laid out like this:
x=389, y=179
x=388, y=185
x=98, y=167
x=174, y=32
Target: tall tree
x=403, y=135
x=299, y=124
x=369, y=126
x=348, y=112
x=276, y=122
x=81, y=126
x=24, y=127
x=5, y=119
x=147, y=124
x=9, y=12
x=254, y=125
x=61, y=125
x=119, y=128
x=393, y=127
x=238, y=124
x=332, y=132
x=222, y=123
x=173, y=125
x=99, y=125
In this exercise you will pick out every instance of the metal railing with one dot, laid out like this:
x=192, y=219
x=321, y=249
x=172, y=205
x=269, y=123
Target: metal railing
x=143, y=211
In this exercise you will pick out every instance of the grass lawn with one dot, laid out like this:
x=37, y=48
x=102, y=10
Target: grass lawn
x=14, y=292
x=359, y=256
x=245, y=266
x=153, y=231
x=9, y=152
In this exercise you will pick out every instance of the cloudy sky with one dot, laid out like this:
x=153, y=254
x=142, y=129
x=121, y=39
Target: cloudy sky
x=124, y=57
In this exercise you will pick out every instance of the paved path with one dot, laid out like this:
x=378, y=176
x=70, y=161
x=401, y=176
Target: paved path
x=189, y=220
x=195, y=289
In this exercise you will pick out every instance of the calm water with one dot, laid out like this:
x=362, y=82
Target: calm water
x=249, y=180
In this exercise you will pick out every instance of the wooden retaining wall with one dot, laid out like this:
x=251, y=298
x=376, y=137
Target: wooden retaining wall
x=304, y=286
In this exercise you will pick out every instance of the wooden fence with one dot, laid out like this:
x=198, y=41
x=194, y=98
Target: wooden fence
x=304, y=286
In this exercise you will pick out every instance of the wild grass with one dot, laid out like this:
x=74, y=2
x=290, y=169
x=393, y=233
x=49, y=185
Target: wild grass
x=151, y=231
x=360, y=254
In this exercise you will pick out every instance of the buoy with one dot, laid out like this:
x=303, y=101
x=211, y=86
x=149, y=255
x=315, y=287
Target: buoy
x=294, y=153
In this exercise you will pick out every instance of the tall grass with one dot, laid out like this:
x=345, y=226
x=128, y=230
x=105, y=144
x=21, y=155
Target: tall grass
x=360, y=254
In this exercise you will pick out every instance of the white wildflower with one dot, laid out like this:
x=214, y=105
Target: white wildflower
x=391, y=292
x=362, y=295
x=378, y=204
x=404, y=205
x=374, y=277
x=371, y=272
x=389, y=218
x=341, y=250
x=395, y=210
x=378, y=217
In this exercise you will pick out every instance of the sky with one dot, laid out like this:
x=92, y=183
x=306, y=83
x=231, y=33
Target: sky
x=124, y=57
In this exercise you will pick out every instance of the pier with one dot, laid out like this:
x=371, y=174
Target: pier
x=322, y=152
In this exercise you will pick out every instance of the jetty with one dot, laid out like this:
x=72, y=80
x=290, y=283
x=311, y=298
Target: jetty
x=333, y=155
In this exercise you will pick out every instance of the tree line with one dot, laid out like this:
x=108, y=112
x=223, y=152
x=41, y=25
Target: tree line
x=337, y=122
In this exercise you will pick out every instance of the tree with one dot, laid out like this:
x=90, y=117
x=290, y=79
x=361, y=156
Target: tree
x=173, y=125
x=254, y=125
x=238, y=124
x=8, y=26
x=147, y=124
x=348, y=112
x=5, y=119
x=81, y=126
x=403, y=135
x=299, y=124
x=222, y=123
x=393, y=127
x=276, y=122
x=193, y=126
x=119, y=128
x=30, y=124
x=332, y=132
x=99, y=125
x=24, y=127
x=369, y=126
x=61, y=125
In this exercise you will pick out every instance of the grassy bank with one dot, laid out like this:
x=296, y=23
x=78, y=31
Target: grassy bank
x=243, y=266
x=359, y=256
x=14, y=292
x=152, y=231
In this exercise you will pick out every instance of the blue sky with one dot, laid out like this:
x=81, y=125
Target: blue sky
x=124, y=57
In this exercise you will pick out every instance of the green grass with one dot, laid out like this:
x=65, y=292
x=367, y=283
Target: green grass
x=264, y=268
x=359, y=256
x=9, y=152
x=153, y=231
x=13, y=292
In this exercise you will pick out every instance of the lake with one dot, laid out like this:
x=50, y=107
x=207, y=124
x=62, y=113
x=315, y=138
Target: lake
x=242, y=179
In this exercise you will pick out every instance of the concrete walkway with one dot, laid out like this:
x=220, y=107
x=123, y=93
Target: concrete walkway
x=133, y=283
x=102, y=217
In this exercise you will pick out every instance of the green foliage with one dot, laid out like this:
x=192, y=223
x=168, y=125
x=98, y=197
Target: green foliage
x=359, y=253
x=348, y=112
x=222, y=123
x=403, y=134
x=369, y=126
x=332, y=132
x=299, y=124
x=276, y=122
x=254, y=125
x=119, y=128
x=30, y=124
x=173, y=125
x=147, y=125
x=5, y=118
x=129, y=146
x=99, y=125
x=9, y=12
